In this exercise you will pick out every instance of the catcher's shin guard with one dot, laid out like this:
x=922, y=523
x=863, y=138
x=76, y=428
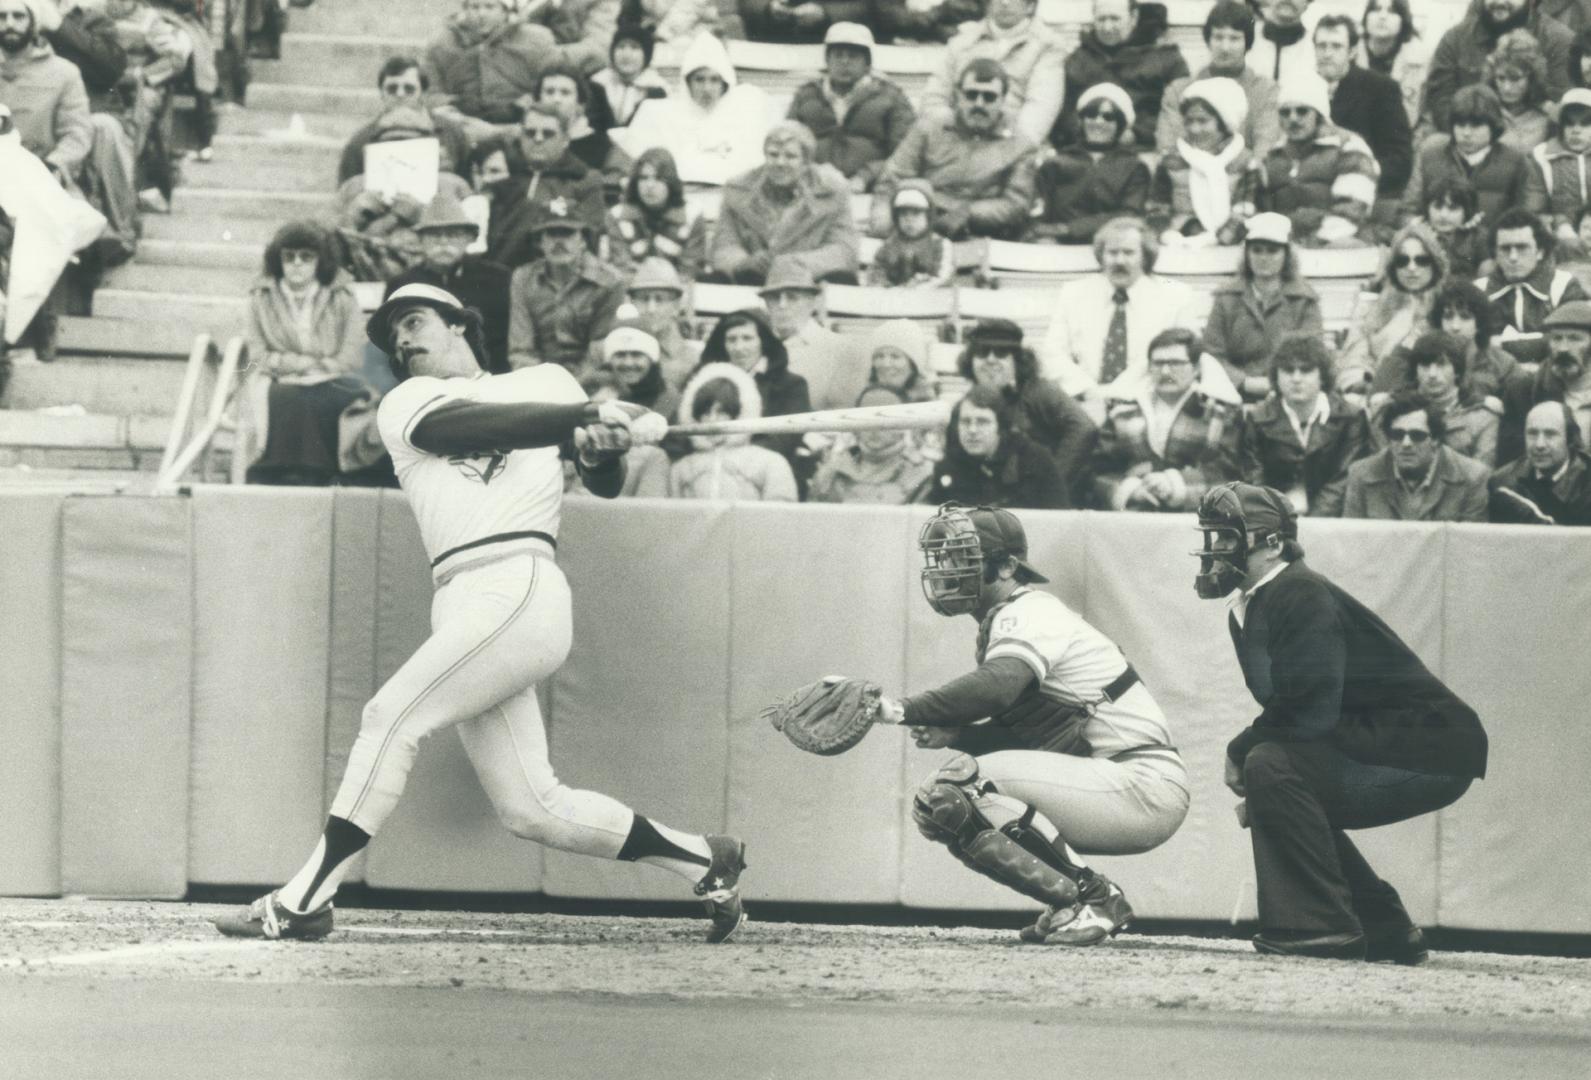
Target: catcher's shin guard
x=946, y=809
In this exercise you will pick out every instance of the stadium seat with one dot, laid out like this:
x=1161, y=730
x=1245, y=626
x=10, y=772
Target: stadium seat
x=859, y=308
x=1008, y=263
x=1029, y=308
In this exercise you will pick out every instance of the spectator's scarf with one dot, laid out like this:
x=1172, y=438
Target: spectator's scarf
x=49, y=226
x=1209, y=186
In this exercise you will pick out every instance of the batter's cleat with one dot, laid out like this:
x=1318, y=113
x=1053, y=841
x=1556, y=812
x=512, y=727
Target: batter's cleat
x=268, y=918
x=1087, y=923
x=720, y=888
x=1406, y=947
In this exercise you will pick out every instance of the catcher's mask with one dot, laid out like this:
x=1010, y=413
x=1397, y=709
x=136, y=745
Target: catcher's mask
x=963, y=548
x=1237, y=519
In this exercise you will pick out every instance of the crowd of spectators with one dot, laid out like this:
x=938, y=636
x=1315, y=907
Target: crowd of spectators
x=533, y=160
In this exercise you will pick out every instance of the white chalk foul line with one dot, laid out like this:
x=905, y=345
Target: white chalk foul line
x=131, y=952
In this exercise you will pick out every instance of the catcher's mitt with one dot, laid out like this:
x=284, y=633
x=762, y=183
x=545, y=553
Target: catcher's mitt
x=828, y=716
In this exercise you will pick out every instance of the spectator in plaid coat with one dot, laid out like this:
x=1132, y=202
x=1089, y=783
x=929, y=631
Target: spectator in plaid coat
x=1164, y=448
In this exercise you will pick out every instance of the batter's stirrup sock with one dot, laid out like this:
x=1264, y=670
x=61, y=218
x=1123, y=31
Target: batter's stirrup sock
x=644, y=840
x=341, y=841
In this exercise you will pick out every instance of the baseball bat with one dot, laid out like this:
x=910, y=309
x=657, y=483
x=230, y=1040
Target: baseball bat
x=913, y=415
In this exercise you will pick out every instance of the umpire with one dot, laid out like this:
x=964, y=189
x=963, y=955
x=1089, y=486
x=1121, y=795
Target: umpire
x=1353, y=733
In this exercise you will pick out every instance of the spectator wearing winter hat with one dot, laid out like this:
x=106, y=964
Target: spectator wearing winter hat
x=631, y=355
x=995, y=358
x=1563, y=166
x=1470, y=148
x=445, y=232
x=787, y=208
x=857, y=116
x=1125, y=46
x=1229, y=35
x=628, y=80
x=658, y=293
x=652, y=219
x=1097, y=177
x=881, y=468
x=1209, y=183
x=730, y=468
x=898, y=360
x=1322, y=177
x=1266, y=299
x=913, y=254
x=566, y=299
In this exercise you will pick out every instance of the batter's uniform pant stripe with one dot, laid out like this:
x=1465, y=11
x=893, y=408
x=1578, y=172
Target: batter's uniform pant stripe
x=414, y=703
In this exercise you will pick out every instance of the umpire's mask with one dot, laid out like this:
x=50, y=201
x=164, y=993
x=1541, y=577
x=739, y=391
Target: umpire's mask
x=1235, y=519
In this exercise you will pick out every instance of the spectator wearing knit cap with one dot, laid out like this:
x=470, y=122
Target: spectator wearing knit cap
x=1097, y=177
x=898, y=360
x=1471, y=149
x=630, y=354
x=1322, y=177
x=46, y=94
x=628, y=80
x=1204, y=188
x=1229, y=35
x=858, y=117
x=913, y=254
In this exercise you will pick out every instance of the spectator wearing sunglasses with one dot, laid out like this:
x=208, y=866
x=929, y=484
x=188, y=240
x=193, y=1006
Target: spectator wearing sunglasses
x=542, y=170
x=1416, y=478
x=1096, y=178
x=1396, y=310
x=1322, y=177
x=1126, y=46
x=402, y=84
x=1032, y=56
x=982, y=172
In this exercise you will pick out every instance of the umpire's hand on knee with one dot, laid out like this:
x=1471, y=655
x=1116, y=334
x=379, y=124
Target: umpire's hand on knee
x=1234, y=778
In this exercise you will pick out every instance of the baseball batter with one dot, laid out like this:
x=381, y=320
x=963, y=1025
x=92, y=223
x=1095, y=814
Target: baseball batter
x=1063, y=748
x=479, y=457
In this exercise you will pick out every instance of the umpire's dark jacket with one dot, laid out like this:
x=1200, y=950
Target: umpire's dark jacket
x=1325, y=667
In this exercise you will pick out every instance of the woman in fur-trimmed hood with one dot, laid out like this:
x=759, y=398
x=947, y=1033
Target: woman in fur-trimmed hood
x=727, y=467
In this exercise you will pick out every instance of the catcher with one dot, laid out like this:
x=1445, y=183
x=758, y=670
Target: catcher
x=1063, y=750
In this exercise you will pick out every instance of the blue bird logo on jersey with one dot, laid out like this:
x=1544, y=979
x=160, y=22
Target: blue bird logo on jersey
x=482, y=468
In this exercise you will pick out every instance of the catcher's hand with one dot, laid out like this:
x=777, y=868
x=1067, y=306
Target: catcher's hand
x=828, y=716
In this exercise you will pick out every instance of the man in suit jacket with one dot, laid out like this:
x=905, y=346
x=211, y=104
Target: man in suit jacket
x=1363, y=102
x=1416, y=478
x=1354, y=732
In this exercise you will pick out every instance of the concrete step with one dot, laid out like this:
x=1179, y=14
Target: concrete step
x=214, y=228
x=292, y=173
x=143, y=338
x=422, y=18
x=98, y=441
x=226, y=205
x=54, y=478
x=311, y=97
x=112, y=385
x=341, y=59
x=198, y=253
x=320, y=149
x=268, y=122
x=207, y=281
x=219, y=316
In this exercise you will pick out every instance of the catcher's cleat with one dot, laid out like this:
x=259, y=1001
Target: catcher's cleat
x=1405, y=947
x=268, y=918
x=720, y=888
x=1086, y=923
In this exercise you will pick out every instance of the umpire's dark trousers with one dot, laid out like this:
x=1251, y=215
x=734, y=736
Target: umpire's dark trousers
x=1310, y=877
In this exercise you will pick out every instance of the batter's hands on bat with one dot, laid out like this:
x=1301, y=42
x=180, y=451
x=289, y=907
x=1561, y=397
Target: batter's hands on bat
x=646, y=427
x=933, y=738
x=598, y=444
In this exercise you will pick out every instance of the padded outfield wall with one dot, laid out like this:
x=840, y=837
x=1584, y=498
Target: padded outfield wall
x=181, y=679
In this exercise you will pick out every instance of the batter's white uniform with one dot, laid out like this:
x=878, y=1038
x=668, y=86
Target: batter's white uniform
x=500, y=623
x=1131, y=794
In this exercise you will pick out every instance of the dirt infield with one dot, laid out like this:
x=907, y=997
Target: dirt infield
x=134, y=990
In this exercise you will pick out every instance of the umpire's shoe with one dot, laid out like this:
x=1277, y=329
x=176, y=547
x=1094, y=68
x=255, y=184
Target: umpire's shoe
x=1085, y=923
x=269, y=918
x=720, y=888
